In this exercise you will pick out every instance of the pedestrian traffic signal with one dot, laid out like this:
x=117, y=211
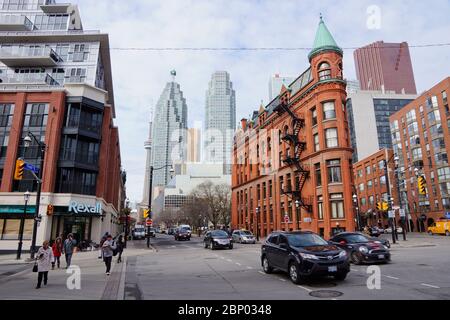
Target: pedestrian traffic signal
x=20, y=169
x=422, y=183
x=50, y=209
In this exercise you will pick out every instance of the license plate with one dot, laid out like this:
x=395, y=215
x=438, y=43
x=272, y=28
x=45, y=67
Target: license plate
x=223, y=242
x=381, y=256
x=332, y=269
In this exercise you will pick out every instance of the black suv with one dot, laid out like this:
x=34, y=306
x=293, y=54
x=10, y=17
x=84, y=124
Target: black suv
x=183, y=234
x=362, y=249
x=302, y=254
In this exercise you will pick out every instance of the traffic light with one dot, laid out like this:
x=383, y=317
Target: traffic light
x=20, y=169
x=379, y=206
x=422, y=183
x=382, y=206
x=50, y=210
x=146, y=213
x=385, y=206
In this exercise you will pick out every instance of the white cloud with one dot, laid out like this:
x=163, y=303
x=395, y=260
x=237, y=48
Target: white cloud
x=139, y=77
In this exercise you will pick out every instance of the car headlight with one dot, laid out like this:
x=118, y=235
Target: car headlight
x=308, y=256
x=342, y=254
x=363, y=249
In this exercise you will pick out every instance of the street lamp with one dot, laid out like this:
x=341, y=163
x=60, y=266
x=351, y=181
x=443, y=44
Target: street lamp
x=127, y=203
x=355, y=202
x=152, y=169
x=26, y=197
x=257, y=223
x=27, y=141
x=297, y=212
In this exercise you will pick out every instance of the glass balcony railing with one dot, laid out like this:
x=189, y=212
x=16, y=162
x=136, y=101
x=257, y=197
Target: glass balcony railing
x=17, y=56
x=29, y=78
x=15, y=23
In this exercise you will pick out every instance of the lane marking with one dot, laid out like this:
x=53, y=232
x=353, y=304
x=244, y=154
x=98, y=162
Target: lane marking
x=238, y=263
x=304, y=288
x=391, y=277
x=262, y=272
x=284, y=280
x=173, y=246
x=249, y=268
x=223, y=258
x=229, y=260
x=430, y=285
x=355, y=270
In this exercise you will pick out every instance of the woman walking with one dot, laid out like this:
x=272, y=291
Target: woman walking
x=108, y=248
x=44, y=259
x=120, y=246
x=57, y=249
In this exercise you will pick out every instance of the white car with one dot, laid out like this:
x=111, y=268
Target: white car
x=389, y=230
x=241, y=236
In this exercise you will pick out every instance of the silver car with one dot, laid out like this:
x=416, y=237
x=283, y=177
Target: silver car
x=243, y=236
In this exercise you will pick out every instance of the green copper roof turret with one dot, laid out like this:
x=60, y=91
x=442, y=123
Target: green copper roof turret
x=324, y=41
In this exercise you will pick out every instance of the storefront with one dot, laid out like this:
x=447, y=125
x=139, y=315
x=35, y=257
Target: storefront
x=77, y=219
x=10, y=218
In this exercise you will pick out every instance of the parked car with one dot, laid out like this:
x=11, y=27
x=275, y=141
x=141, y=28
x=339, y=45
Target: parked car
x=138, y=232
x=171, y=231
x=243, y=236
x=361, y=249
x=440, y=227
x=303, y=254
x=216, y=239
x=389, y=230
x=183, y=233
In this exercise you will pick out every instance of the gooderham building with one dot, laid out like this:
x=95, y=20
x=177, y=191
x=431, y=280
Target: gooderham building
x=56, y=82
x=292, y=160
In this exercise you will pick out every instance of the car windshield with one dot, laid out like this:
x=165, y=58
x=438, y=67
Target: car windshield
x=139, y=229
x=219, y=233
x=305, y=240
x=356, y=238
x=185, y=229
x=246, y=233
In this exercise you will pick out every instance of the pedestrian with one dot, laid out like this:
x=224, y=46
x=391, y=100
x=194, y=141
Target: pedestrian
x=57, y=249
x=120, y=246
x=108, y=248
x=44, y=259
x=68, y=248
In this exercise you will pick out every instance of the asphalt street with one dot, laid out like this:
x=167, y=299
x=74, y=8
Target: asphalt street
x=185, y=270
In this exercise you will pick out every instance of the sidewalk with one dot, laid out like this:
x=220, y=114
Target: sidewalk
x=417, y=240
x=95, y=285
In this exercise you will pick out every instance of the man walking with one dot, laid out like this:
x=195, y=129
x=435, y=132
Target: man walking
x=68, y=247
x=108, y=248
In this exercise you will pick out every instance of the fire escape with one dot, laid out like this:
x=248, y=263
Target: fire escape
x=301, y=170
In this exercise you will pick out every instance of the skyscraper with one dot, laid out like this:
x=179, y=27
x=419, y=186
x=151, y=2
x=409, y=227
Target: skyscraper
x=386, y=67
x=220, y=120
x=169, y=131
x=275, y=84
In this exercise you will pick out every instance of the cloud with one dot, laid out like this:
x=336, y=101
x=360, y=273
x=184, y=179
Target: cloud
x=139, y=77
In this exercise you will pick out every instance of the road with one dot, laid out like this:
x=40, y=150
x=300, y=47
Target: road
x=173, y=270
x=185, y=270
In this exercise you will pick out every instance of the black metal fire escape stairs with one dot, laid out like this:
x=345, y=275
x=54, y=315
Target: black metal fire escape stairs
x=301, y=170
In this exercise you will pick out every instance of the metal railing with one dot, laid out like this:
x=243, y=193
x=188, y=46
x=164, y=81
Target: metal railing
x=16, y=20
x=29, y=78
x=29, y=52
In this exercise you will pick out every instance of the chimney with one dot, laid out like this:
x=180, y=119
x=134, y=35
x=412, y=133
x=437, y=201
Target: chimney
x=244, y=124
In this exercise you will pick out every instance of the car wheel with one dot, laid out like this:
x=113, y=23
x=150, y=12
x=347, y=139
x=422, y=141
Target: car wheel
x=206, y=245
x=266, y=266
x=355, y=258
x=294, y=274
x=230, y=247
x=341, y=276
x=430, y=233
x=240, y=240
x=212, y=246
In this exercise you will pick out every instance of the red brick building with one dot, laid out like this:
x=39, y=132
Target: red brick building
x=421, y=140
x=292, y=160
x=371, y=187
x=385, y=66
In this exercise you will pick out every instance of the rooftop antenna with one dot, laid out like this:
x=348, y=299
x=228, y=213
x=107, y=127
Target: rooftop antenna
x=321, y=17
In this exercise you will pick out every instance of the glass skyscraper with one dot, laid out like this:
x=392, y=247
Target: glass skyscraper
x=220, y=121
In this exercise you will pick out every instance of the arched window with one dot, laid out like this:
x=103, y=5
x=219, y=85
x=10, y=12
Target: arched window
x=324, y=71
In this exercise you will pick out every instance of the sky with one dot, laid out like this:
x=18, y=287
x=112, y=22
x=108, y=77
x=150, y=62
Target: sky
x=139, y=76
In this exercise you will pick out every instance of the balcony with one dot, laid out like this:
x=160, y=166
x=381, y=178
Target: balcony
x=18, y=79
x=15, y=23
x=55, y=8
x=29, y=57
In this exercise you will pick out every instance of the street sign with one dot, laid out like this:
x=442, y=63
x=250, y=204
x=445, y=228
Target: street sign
x=391, y=214
x=286, y=219
x=30, y=167
x=307, y=220
x=402, y=212
x=149, y=222
x=396, y=208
